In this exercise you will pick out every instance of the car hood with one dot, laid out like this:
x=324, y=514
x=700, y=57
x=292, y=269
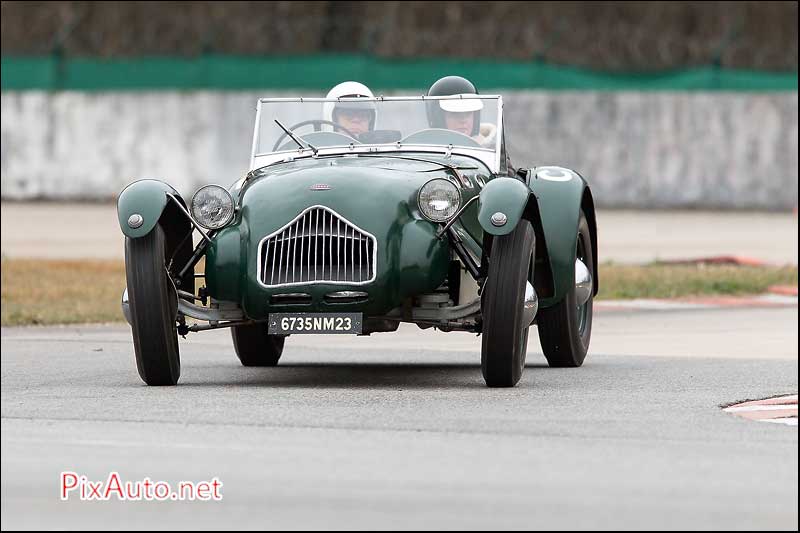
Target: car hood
x=382, y=192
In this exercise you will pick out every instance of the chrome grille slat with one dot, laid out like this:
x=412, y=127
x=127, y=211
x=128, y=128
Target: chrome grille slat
x=294, y=251
x=330, y=248
x=320, y=234
x=288, y=249
x=316, y=243
x=323, y=244
x=308, y=215
x=338, y=253
x=289, y=253
x=352, y=254
x=302, y=242
x=280, y=260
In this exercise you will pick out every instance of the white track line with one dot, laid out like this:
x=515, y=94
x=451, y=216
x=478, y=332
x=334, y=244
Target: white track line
x=771, y=407
x=786, y=421
x=651, y=305
x=778, y=299
x=711, y=302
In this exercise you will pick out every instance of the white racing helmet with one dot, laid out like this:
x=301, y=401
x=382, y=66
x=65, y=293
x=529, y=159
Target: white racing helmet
x=349, y=89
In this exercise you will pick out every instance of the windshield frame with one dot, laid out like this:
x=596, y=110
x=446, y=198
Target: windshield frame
x=490, y=158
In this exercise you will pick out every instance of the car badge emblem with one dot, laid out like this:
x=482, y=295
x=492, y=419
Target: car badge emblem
x=320, y=187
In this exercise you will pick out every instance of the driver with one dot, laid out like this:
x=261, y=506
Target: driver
x=463, y=116
x=355, y=117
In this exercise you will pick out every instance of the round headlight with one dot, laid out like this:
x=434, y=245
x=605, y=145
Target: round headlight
x=439, y=199
x=212, y=207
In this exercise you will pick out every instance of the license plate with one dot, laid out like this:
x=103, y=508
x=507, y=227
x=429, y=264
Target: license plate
x=319, y=323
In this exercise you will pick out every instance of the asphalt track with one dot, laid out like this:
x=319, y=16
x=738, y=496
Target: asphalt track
x=398, y=431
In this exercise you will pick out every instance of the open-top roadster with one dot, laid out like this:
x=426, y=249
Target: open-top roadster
x=332, y=231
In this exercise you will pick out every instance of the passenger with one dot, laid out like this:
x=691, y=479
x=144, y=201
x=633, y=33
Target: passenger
x=355, y=117
x=463, y=116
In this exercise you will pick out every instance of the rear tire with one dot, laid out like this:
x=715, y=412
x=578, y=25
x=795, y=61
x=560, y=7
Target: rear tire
x=505, y=338
x=255, y=347
x=154, y=308
x=566, y=329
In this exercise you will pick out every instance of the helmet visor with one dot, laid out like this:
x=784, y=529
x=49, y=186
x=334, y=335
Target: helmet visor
x=355, y=105
x=461, y=105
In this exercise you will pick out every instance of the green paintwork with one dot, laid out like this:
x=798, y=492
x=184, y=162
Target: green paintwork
x=559, y=205
x=505, y=195
x=378, y=195
x=224, y=253
x=147, y=198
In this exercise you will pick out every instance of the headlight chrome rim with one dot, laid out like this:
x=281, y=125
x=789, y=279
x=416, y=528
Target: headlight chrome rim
x=451, y=211
x=198, y=217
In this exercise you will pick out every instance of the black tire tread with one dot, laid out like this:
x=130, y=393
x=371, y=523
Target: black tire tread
x=561, y=341
x=255, y=347
x=501, y=325
x=155, y=338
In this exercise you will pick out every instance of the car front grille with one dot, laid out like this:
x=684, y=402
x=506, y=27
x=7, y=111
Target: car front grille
x=318, y=246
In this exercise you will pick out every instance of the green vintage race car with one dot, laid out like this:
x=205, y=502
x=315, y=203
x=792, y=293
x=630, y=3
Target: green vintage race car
x=334, y=231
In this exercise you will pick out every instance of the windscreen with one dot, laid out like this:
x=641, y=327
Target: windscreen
x=468, y=121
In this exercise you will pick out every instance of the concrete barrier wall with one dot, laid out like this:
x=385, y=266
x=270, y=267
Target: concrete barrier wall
x=638, y=149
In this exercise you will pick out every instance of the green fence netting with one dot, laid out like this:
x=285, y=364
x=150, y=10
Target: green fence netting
x=320, y=72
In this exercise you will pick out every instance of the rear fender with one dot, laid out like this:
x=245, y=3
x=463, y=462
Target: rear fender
x=559, y=194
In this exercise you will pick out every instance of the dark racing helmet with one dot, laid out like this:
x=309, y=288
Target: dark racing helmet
x=450, y=86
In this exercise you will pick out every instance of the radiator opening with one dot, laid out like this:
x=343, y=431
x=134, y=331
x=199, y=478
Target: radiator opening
x=318, y=246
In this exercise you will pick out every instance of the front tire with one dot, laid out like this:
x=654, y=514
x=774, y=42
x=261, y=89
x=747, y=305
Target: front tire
x=505, y=337
x=566, y=328
x=255, y=347
x=154, y=307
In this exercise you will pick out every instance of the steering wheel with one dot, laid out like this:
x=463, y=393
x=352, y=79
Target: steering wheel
x=318, y=123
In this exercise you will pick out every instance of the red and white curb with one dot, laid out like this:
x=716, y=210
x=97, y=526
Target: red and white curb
x=696, y=303
x=781, y=410
x=785, y=290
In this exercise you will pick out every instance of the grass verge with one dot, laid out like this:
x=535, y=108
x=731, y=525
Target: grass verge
x=38, y=291
x=657, y=280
